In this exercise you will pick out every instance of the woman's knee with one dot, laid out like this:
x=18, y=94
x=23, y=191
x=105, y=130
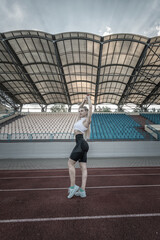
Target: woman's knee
x=83, y=166
x=71, y=163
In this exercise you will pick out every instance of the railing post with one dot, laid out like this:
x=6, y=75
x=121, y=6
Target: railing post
x=9, y=136
x=30, y=136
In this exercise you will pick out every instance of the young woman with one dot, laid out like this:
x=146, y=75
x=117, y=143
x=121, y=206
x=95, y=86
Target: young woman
x=82, y=126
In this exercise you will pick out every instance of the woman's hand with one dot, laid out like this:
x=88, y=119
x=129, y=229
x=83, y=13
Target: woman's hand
x=87, y=97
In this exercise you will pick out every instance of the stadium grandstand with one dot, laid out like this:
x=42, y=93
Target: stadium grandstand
x=41, y=68
x=45, y=194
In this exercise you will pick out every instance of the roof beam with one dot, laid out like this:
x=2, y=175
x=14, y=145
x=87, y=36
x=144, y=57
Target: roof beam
x=49, y=39
x=8, y=97
x=134, y=75
x=8, y=93
x=21, y=71
x=153, y=93
x=62, y=75
x=99, y=69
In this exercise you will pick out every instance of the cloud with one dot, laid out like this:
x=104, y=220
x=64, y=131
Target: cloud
x=13, y=12
x=158, y=30
x=12, y=15
x=153, y=31
x=106, y=31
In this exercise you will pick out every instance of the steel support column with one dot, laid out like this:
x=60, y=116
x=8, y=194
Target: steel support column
x=21, y=71
x=99, y=69
x=134, y=75
x=62, y=75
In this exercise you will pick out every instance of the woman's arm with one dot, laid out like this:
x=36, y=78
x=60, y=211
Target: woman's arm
x=90, y=109
x=81, y=105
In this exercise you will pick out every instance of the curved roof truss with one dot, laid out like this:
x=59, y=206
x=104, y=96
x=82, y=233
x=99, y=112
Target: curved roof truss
x=38, y=67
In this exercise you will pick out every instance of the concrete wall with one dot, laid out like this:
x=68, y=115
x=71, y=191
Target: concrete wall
x=63, y=149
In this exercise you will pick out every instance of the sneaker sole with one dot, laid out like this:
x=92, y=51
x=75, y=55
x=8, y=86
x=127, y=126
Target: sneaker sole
x=83, y=197
x=75, y=190
x=79, y=195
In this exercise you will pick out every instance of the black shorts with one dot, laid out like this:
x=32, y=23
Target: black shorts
x=79, y=152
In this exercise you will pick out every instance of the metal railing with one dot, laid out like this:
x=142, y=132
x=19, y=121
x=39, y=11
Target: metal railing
x=63, y=135
x=155, y=131
x=5, y=115
x=35, y=136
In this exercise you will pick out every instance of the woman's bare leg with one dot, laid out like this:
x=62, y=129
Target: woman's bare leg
x=83, y=167
x=72, y=171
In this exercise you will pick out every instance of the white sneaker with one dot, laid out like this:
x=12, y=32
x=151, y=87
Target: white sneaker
x=81, y=194
x=72, y=191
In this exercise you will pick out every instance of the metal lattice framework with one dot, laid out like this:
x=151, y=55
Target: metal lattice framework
x=37, y=67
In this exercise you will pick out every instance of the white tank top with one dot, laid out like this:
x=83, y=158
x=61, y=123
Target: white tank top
x=79, y=125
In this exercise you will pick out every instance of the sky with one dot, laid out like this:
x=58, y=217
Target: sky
x=101, y=17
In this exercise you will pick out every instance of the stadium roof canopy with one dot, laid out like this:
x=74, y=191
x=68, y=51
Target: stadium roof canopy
x=37, y=67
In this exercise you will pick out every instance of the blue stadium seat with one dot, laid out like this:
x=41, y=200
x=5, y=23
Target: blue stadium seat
x=114, y=126
x=153, y=117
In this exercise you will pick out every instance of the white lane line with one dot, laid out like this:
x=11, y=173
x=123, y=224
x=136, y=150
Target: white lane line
x=95, y=187
x=31, y=189
x=80, y=218
x=89, y=168
x=123, y=168
x=89, y=175
x=127, y=186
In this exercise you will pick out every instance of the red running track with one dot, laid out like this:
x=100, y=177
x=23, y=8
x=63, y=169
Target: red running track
x=121, y=203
